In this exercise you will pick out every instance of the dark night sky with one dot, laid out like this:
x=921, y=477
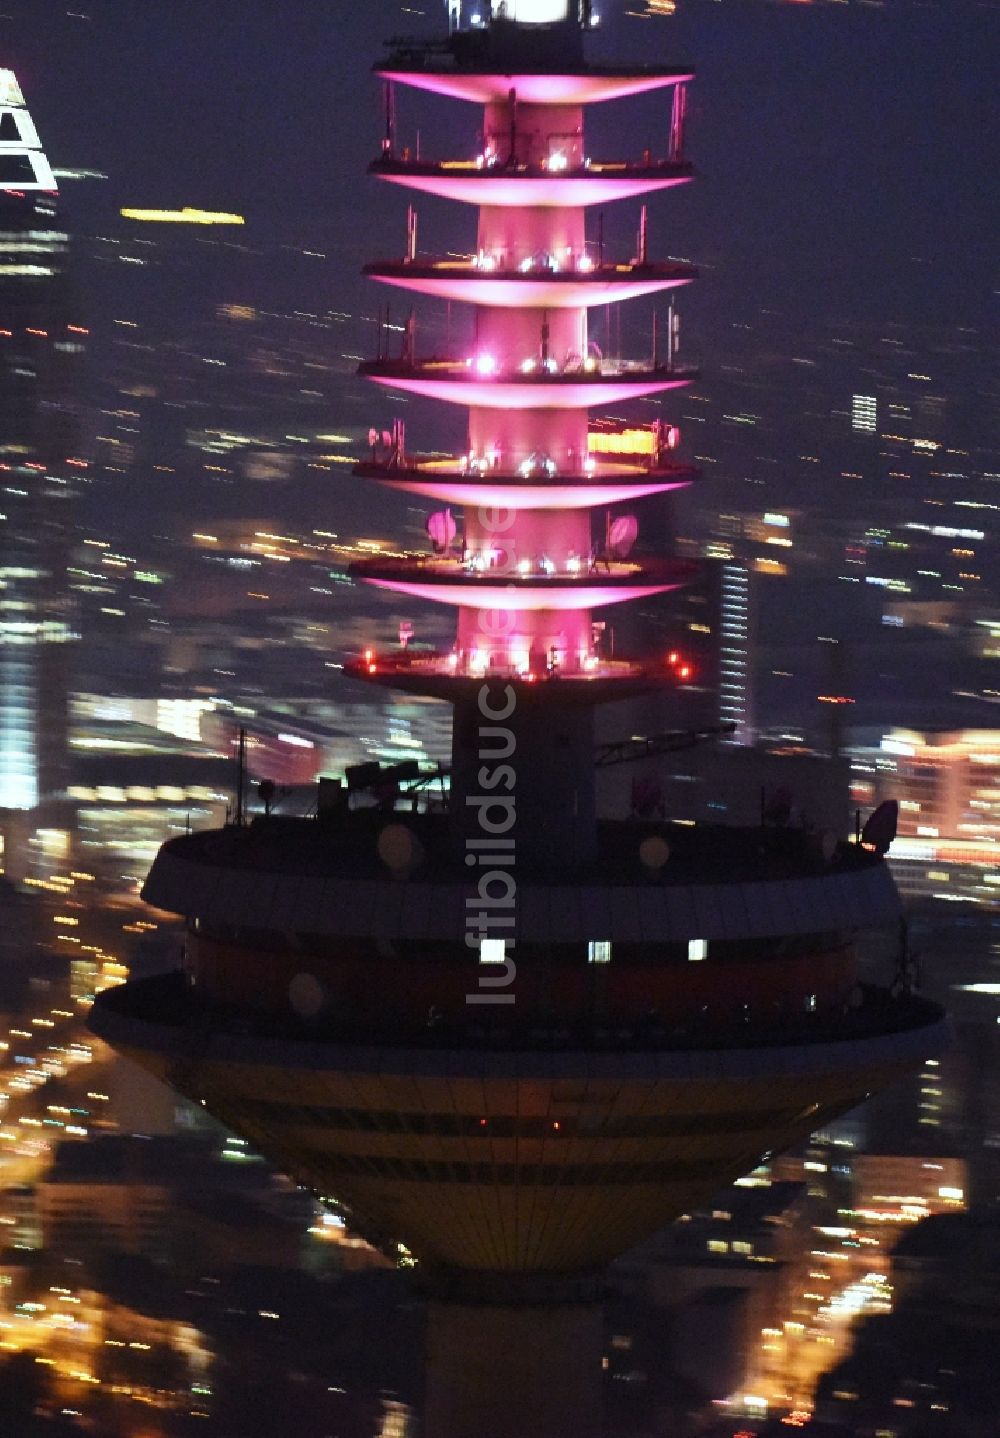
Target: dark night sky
x=847, y=151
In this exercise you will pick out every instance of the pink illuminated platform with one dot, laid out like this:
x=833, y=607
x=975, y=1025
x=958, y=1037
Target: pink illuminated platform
x=581, y=87
x=451, y=581
x=525, y=527
x=463, y=384
x=570, y=288
x=517, y=493
x=436, y=676
x=595, y=184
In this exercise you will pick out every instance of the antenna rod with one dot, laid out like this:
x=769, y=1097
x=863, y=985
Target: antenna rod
x=241, y=767
x=677, y=123
x=389, y=140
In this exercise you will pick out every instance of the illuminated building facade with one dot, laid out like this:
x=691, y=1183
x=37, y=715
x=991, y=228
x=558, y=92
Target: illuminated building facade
x=39, y=352
x=514, y=1040
x=947, y=784
x=735, y=676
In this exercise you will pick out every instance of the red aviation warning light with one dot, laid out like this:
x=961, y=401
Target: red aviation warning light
x=680, y=665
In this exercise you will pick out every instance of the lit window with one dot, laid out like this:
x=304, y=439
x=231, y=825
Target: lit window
x=599, y=951
x=810, y=1003
x=717, y=1245
x=697, y=949
x=493, y=951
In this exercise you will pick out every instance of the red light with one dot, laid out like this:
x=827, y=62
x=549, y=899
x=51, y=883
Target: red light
x=372, y=668
x=684, y=672
x=673, y=657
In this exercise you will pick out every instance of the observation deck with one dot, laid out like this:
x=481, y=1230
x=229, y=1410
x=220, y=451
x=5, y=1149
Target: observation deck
x=546, y=186
x=483, y=382
x=455, y=676
x=322, y=1014
x=534, y=483
x=422, y=69
x=491, y=1158
x=583, y=583
x=563, y=281
x=717, y=881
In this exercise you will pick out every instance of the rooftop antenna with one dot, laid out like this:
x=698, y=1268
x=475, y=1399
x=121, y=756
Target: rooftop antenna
x=389, y=139
x=241, y=771
x=512, y=101
x=677, y=123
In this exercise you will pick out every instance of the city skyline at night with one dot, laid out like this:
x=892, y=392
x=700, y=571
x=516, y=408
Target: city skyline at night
x=42, y=343
x=300, y=1128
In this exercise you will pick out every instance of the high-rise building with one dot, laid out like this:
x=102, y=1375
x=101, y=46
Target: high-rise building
x=735, y=676
x=864, y=413
x=512, y=1039
x=40, y=346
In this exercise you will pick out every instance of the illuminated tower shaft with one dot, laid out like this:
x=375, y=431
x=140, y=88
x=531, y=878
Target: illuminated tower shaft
x=530, y=569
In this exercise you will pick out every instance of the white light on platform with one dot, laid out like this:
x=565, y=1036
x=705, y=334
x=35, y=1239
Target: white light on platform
x=531, y=12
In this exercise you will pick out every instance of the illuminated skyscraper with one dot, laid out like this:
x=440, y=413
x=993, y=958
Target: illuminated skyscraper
x=506, y=1035
x=39, y=350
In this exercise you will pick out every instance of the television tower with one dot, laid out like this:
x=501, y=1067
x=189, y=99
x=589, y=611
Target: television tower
x=509, y=1036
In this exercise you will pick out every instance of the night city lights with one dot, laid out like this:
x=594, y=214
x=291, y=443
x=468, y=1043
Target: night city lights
x=499, y=757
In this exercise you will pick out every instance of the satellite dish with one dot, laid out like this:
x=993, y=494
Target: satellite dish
x=654, y=852
x=622, y=536
x=880, y=830
x=306, y=995
x=399, y=849
x=441, y=528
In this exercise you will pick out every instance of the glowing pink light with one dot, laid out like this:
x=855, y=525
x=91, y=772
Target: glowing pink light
x=480, y=187
x=534, y=89
x=523, y=597
x=531, y=496
x=486, y=364
x=514, y=293
x=562, y=394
